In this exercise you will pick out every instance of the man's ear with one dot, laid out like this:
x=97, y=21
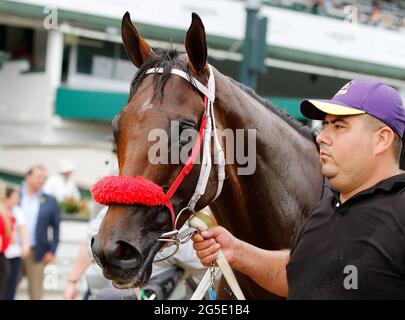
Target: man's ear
x=384, y=139
x=137, y=49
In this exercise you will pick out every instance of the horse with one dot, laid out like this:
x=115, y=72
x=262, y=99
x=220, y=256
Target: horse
x=264, y=208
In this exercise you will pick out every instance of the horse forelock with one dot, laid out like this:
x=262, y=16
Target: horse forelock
x=160, y=59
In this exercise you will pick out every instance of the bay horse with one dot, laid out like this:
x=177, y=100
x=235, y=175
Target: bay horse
x=264, y=208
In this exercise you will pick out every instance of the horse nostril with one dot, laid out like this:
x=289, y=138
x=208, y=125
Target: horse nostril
x=125, y=255
x=124, y=251
x=97, y=251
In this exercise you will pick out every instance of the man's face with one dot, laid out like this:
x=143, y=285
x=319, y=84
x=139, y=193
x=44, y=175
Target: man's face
x=346, y=151
x=36, y=179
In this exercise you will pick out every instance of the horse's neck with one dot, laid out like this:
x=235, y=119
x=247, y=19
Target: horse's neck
x=269, y=203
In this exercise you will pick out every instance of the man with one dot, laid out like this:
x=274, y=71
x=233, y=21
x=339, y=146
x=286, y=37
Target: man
x=352, y=245
x=61, y=185
x=41, y=213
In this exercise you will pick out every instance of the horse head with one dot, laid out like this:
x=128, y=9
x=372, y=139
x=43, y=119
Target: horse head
x=159, y=102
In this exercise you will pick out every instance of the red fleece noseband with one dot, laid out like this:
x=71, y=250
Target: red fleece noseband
x=129, y=190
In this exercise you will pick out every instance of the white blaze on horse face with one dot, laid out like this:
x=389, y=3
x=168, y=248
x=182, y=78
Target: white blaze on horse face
x=146, y=106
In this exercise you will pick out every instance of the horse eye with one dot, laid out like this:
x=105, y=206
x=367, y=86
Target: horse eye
x=186, y=133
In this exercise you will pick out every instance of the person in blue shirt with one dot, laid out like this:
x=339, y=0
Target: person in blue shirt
x=41, y=213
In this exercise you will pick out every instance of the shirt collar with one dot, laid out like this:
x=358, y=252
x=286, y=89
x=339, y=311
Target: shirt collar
x=40, y=193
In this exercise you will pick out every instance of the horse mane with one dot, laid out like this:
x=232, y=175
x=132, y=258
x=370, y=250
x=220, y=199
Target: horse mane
x=295, y=124
x=167, y=60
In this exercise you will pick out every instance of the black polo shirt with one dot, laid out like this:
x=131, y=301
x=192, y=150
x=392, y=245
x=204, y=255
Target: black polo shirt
x=360, y=243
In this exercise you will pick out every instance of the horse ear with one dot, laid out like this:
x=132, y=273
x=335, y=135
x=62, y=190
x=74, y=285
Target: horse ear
x=135, y=46
x=196, y=45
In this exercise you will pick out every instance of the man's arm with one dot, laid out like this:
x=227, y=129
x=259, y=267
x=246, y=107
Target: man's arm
x=267, y=268
x=82, y=262
x=54, y=223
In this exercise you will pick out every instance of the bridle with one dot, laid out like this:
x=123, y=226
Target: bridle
x=207, y=129
x=204, y=137
x=102, y=189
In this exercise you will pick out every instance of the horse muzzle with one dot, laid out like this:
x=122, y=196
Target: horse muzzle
x=122, y=262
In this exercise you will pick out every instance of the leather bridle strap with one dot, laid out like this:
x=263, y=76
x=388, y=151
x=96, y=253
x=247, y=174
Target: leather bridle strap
x=204, y=139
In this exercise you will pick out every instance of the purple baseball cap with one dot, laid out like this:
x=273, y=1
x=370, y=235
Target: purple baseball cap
x=361, y=96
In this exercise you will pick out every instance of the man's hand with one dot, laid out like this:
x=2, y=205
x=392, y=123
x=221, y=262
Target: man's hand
x=25, y=251
x=210, y=241
x=48, y=258
x=267, y=268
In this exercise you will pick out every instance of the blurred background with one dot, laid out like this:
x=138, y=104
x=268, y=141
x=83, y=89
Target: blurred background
x=64, y=73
